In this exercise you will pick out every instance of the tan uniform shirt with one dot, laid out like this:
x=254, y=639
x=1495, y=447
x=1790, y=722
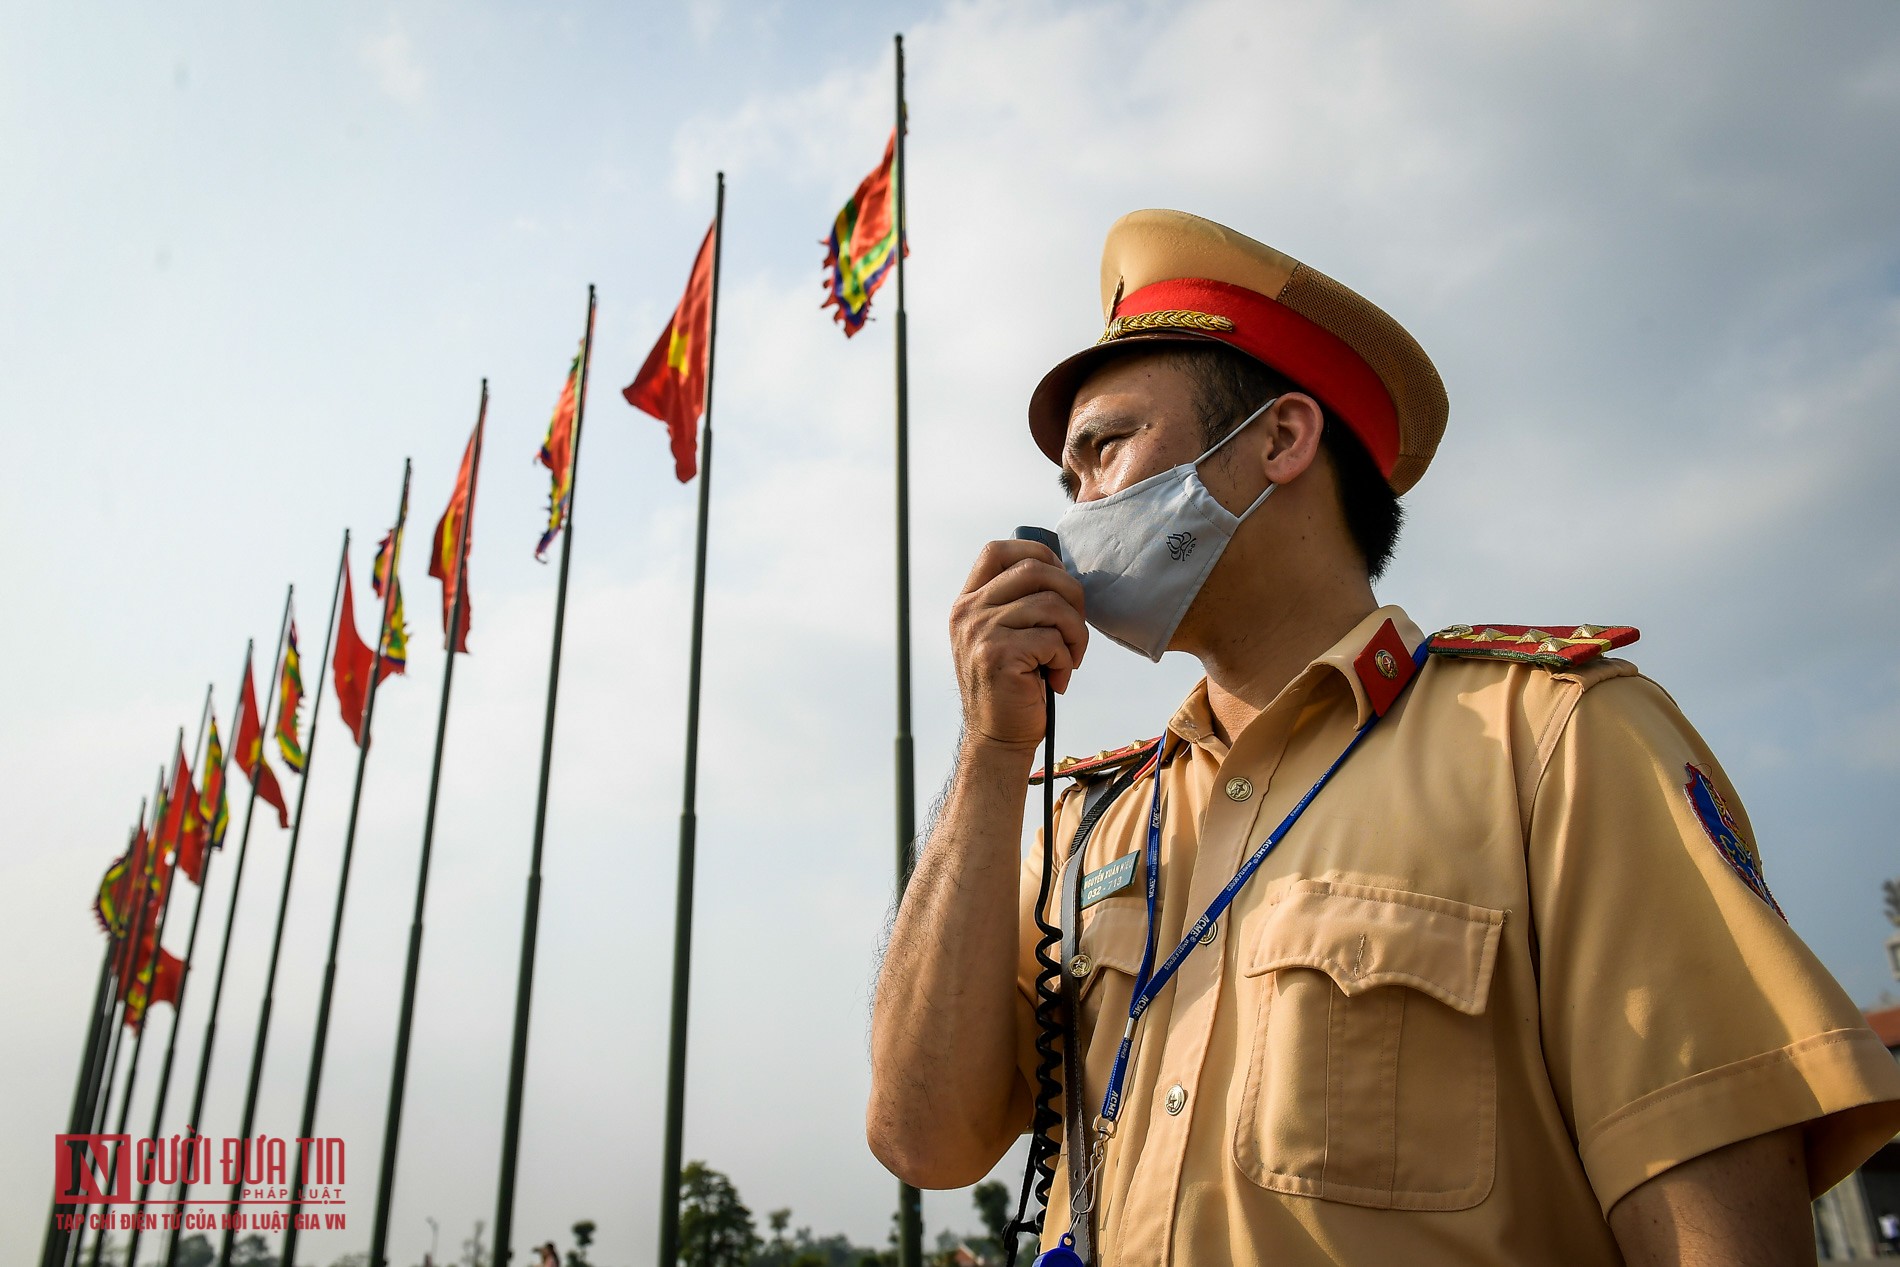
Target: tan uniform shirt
x=1498, y=975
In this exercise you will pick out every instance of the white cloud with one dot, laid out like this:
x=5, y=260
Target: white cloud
x=392, y=60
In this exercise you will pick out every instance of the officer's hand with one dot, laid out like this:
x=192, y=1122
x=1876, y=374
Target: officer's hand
x=1018, y=612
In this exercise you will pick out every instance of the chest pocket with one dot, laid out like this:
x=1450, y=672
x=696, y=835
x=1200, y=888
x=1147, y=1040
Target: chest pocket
x=1113, y=935
x=1373, y=1075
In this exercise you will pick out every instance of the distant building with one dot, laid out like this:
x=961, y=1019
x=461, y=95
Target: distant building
x=1847, y=1217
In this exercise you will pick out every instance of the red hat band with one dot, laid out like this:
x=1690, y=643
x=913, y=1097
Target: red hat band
x=1315, y=358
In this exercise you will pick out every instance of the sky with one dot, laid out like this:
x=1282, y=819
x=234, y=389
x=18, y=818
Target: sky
x=255, y=256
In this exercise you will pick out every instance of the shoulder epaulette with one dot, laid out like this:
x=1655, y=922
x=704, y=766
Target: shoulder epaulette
x=1555, y=647
x=1105, y=762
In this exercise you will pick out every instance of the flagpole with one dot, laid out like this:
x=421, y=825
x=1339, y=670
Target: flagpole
x=191, y=943
x=531, y=916
x=106, y=1076
x=195, y=1119
x=90, y=1053
x=88, y=1062
x=100, y=1108
x=689, y=820
x=74, y=1249
x=54, y=1234
x=283, y=899
x=391, y=585
x=910, y=1226
x=398, y=1079
x=158, y=950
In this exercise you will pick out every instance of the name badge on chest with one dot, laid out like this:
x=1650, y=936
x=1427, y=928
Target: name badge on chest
x=1106, y=881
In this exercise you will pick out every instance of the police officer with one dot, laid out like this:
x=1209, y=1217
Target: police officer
x=1390, y=949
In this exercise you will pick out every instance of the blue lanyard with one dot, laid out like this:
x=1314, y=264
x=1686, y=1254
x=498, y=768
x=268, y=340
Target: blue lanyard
x=1150, y=981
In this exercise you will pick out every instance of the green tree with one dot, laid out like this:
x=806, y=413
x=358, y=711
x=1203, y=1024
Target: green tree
x=828, y=1251
x=583, y=1237
x=992, y=1206
x=252, y=1251
x=474, y=1252
x=715, y=1226
x=195, y=1251
x=776, y=1252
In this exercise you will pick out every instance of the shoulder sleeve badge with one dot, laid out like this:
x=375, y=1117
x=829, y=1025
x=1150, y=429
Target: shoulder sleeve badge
x=1554, y=647
x=1109, y=761
x=1713, y=813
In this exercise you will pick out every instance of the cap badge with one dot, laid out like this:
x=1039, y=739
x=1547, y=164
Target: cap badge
x=1165, y=319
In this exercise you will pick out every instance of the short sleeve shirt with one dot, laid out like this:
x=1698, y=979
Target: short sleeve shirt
x=1508, y=965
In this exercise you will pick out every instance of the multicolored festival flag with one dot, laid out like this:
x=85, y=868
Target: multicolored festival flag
x=452, y=539
x=557, y=454
x=672, y=384
x=289, y=700
x=863, y=243
x=249, y=750
x=112, y=905
x=214, y=805
x=396, y=630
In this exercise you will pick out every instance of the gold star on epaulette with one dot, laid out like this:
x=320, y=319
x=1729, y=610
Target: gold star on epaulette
x=1554, y=647
x=1105, y=761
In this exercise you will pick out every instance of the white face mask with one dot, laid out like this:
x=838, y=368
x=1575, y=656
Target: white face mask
x=1142, y=554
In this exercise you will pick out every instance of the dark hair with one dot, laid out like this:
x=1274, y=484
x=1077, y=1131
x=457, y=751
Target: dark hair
x=1229, y=385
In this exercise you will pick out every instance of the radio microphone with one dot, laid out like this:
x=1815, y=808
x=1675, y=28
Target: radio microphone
x=1044, y=1139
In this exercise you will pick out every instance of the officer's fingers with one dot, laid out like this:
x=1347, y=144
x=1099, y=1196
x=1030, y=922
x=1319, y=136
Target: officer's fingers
x=1048, y=610
x=1002, y=652
x=1047, y=648
x=997, y=556
x=1030, y=576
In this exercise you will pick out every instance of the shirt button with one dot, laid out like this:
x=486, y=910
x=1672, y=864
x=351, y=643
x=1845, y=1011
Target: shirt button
x=1212, y=930
x=1239, y=789
x=1079, y=966
x=1177, y=1100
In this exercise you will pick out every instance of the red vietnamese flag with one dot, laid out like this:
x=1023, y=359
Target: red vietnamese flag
x=153, y=877
x=452, y=541
x=352, y=662
x=672, y=384
x=184, y=826
x=156, y=983
x=249, y=752
x=192, y=834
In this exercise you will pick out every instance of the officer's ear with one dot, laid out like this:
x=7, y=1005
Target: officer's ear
x=1290, y=437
